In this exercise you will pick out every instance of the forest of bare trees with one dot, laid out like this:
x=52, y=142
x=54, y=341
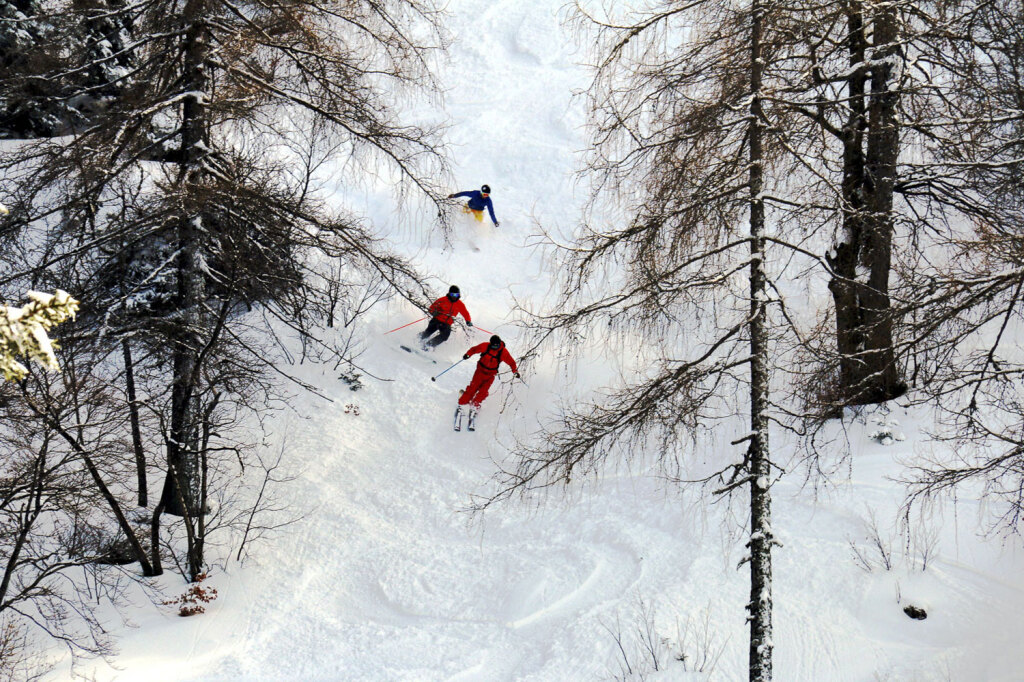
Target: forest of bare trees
x=160, y=162
x=166, y=178
x=852, y=145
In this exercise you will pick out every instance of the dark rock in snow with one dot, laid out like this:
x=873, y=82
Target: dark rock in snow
x=915, y=612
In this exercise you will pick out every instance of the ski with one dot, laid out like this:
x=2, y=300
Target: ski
x=472, y=420
x=419, y=353
x=458, y=418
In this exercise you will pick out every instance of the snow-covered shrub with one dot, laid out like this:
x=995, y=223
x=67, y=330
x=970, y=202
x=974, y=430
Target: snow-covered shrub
x=887, y=431
x=23, y=331
x=352, y=379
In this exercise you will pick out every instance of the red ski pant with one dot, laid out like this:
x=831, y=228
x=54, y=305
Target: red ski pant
x=477, y=389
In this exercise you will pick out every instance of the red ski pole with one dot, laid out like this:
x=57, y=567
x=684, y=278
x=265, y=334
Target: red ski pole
x=405, y=325
x=482, y=329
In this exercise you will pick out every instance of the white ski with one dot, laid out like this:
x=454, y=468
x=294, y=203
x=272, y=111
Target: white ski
x=419, y=353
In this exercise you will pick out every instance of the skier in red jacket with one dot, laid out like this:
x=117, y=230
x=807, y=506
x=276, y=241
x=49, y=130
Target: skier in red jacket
x=492, y=354
x=443, y=312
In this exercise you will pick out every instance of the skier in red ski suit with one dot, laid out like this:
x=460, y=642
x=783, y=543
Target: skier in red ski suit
x=442, y=314
x=492, y=354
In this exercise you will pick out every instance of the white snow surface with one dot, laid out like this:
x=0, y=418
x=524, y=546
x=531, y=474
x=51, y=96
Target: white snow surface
x=385, y=578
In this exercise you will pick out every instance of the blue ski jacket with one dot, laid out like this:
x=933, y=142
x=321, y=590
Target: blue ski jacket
x=478, y=202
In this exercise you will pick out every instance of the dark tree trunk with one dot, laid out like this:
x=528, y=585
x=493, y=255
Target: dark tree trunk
x=867, y=367
x=183, y=493
x=122, y=520
x=133, y=414
x=154, y=530
x=27, y=519
x=882, y=150
x=847, y=251
x=760, y=605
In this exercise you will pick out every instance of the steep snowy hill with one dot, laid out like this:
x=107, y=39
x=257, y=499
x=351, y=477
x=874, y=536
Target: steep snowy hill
x=383, y=577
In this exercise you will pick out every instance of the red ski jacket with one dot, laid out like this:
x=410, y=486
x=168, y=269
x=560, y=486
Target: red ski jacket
x=445, y=311
x=491, y=358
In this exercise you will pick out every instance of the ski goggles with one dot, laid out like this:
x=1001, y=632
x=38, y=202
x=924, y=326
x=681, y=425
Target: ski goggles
x=453, y=296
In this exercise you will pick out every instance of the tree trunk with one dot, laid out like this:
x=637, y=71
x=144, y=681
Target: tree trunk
x=94, y=472
x=29, y=513
x=882, y=150
x=154, y=531
x=867, y=367
x=847, y=250
x=183, y=494
x=133, y=414
x=760, y=606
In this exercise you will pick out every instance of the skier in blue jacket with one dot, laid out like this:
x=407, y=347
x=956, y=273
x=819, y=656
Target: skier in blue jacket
x=478, y=201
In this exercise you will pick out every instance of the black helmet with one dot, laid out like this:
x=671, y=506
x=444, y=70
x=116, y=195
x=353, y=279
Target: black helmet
x=453, y=289
x=486, y=189
x=495, y=341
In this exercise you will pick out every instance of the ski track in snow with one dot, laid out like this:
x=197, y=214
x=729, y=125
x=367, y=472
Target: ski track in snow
x=384, y=578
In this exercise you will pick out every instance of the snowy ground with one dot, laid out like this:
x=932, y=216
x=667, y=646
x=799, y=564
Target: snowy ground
x=385, y=579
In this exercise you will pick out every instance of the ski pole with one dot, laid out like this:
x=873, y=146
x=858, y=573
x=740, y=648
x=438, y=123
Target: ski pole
x=482, y=329
x=514, y=379
x=435, y=378
x=405, y=325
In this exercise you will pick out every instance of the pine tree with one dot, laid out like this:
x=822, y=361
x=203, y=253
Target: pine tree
x=30, y=103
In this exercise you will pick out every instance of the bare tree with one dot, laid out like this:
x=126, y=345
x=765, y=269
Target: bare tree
x=692, y=133
x=965, y=300
x=64, y=525
x=188, y=211
x=870, y=141
x=876, y=84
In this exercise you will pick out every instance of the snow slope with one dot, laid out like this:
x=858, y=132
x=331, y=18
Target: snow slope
x=384, y=578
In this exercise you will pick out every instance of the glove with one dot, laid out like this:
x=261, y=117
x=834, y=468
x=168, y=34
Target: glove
x=496, y=223
x=465, y=356
x=451, y=196
x=468, y=323
x=516, y=375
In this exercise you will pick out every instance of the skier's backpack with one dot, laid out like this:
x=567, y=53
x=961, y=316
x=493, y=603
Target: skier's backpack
x=491, y=355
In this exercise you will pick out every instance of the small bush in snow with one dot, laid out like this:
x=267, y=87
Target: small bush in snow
x=921, y=546
x=643, y=652
x=887, y=432
x=191, y=603
x=878, y=553
x=352, y=379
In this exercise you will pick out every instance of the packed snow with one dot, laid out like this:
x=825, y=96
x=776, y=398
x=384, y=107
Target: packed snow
x=382, y=575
